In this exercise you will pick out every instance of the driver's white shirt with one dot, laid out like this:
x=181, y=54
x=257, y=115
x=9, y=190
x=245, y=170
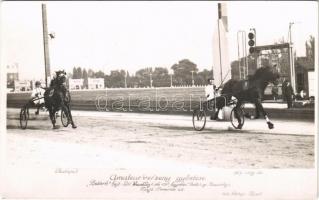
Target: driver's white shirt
x=210, y=92
x=40, y=92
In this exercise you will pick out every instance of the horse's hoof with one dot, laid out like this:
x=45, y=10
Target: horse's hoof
x=73, y=126
x=240, y=126
x=270, y=125
x=55, y=127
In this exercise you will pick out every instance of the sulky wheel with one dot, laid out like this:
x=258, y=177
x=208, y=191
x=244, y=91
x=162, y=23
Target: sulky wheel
x=199, y=119
x=237, y=118
x=24, y=116
x=64, y=118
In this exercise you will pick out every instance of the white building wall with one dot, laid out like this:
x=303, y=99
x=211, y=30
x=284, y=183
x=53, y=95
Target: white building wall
x=75, y=84
x=95, y=83
x=311, y=83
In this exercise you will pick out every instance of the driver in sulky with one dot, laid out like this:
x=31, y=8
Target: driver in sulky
x=211, y=91
x=38, y=96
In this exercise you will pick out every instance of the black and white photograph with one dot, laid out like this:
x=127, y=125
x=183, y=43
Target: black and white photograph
x=159, y=99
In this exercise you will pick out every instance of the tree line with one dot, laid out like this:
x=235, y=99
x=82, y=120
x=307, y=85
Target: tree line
x=183, y=70
x=183, y=73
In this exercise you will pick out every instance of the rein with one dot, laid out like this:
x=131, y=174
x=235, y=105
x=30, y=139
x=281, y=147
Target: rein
x=223, y=80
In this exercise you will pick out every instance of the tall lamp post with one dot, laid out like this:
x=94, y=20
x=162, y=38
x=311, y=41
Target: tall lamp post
x=45, y=44
x=51, y=37
x=244, y=68
x=292, y=63
x=193, y=78
x=46, y=35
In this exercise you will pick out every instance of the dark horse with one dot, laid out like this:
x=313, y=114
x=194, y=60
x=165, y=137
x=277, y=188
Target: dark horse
x=57, y=97
x=251, y=90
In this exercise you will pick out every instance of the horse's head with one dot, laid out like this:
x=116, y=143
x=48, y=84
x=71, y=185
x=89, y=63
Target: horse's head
x=61, y=78
x=268, y=74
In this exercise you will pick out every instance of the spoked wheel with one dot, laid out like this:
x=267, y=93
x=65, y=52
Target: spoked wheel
x=199, y=119
x=64, y=118
x=24, y=117
x=239, y=120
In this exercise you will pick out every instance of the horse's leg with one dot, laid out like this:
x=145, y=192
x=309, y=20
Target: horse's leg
x=52, y=116
x=260, y=107
x=237, y=108
x=69, y=115
x=257, y=115
x=38, y=108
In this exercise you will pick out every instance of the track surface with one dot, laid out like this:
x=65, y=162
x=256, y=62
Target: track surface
x=159, y=137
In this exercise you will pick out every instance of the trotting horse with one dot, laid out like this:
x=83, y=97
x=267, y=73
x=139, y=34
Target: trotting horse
x=251, y=90
x=57, y=97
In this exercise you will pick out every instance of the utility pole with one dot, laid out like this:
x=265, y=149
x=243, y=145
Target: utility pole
x=292, y=59
x=220, y=52
x=46, y=44
x=238, y=56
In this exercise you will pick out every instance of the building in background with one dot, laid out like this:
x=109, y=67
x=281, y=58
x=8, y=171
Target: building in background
x=12, y=75
x=311, y=84
x=305, y=70
x=95, y=83
x=22, y=86
x=76, y=84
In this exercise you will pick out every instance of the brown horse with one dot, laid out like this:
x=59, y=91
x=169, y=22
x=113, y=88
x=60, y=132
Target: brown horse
x=251, y=90
x=57, y=97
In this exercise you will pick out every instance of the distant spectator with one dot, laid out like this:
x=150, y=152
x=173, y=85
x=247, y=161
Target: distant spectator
x=274, y=92
x=288, y=93
x=301, y=95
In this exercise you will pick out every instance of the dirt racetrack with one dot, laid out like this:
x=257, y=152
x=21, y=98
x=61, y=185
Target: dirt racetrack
x=162, y=137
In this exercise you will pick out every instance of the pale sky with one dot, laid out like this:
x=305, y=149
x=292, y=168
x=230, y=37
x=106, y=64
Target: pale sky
x=133, y=35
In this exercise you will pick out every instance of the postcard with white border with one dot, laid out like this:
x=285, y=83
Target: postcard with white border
x=159, y=100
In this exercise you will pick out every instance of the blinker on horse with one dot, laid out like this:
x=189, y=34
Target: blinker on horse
x=251, y=90
x=57, y=97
